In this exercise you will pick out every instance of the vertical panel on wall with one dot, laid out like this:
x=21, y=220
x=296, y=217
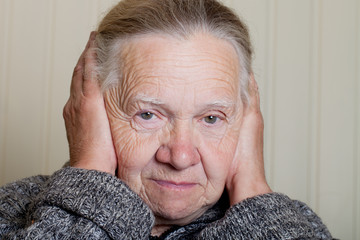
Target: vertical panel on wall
x=47, y=76
x=255, y=15
x=26, y=105
x=5, y=12
x=338, y=76
x=292, y=98
x=357, y=132
x=314, y=105
x=94, y=14
x=270, y=82
x=72, y=25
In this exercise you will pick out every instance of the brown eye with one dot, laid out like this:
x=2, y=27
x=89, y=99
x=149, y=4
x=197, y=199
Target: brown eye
x=211, y=119
x=147, y=115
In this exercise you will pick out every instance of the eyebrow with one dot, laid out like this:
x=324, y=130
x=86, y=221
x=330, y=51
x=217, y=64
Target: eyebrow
x=222, y=103
x=148, y=100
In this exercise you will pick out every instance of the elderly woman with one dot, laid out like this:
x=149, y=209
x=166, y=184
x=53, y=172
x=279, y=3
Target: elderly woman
x=165, y=137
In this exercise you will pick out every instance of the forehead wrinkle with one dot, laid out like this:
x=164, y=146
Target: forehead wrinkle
x=137, y=74
x=226, y=100
x=138, y=91
x=224, y=89
x=144, y=65
x=143, y=59
x=130, y=85
x=217, y=60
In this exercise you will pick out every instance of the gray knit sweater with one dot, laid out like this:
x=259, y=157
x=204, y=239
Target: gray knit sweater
x=82, y=204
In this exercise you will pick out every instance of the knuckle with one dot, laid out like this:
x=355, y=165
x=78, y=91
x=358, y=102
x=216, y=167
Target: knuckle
x=78, y=69
x=81, y=106
x=66, y=110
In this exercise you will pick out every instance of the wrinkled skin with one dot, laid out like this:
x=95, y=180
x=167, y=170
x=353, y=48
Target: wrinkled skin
x=176, y=161
x=180, y=130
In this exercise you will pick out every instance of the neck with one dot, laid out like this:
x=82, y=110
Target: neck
x=163, y=224
x=159, y=229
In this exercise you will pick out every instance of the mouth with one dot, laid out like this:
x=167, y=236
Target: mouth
x=175, y=185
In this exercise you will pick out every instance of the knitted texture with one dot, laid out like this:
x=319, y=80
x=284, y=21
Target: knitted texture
x=86, y=204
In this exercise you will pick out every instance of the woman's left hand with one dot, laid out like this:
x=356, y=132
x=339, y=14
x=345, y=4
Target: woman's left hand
x=246, y=176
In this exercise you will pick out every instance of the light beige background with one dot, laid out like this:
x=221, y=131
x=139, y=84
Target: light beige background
x=307, y=57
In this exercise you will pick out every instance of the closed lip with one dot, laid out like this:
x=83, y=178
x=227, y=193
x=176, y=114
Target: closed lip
x=177, y=185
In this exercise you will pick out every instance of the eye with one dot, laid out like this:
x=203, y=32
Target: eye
x=147, y=115
x=211, y=119
x=148, y=120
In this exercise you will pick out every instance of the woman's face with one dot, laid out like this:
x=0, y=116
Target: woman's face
x=174, y=119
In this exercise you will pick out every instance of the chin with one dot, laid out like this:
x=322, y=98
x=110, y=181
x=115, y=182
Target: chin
x=177, y=214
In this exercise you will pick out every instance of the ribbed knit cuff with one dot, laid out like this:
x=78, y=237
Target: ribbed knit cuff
x=102, y=198
x=269, y=216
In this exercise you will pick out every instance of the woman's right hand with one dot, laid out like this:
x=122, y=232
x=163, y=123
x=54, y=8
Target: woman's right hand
x=87, y=125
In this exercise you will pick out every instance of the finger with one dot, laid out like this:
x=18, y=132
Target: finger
x=255, y=107
x=90, y=79
x=256, y=94
x=77, y=78
x=254, y=103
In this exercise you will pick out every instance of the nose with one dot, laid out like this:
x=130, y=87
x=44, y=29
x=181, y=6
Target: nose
x=179, y=151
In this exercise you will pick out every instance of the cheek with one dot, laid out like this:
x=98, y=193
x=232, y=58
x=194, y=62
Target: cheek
x=134, y=150
x=217, y=155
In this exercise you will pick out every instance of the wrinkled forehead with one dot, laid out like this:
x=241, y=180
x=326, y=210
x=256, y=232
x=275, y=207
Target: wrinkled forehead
x=199, y=61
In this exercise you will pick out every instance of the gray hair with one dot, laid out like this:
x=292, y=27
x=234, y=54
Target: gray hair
x=177, y=18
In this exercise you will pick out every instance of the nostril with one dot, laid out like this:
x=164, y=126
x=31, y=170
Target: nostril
x=179, y=151
x=163, y=154
x=179, y=156
x=184, y=156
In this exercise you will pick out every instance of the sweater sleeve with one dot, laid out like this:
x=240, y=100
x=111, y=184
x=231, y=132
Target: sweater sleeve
x=269, y=216
x=15, y=199
x=80, y=204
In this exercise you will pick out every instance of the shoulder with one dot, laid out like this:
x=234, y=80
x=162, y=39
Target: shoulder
x=15, y=199
x=26, y=187
x=268, y=216
x=17, y=196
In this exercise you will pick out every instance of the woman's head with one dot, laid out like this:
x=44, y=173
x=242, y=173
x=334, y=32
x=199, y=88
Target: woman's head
x=177, y=18
x=174, y=100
